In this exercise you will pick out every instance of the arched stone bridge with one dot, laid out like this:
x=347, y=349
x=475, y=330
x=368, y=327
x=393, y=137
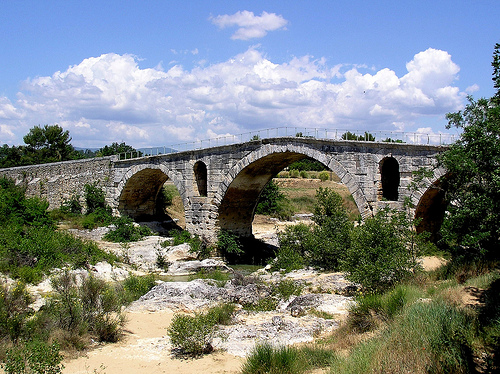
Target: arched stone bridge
x=220, y=186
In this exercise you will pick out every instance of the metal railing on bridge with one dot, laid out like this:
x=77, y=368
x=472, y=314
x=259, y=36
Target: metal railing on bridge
x=281, y=132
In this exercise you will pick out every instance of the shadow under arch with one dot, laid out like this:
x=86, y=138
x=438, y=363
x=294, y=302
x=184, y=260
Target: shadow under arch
x=431, y=209
x=248, y=178
x=139, y=189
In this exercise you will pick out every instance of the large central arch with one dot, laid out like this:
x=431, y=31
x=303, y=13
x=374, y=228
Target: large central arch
x=240, y=191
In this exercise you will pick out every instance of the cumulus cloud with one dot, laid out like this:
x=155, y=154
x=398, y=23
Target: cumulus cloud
x=249, y=25
x=110, y=98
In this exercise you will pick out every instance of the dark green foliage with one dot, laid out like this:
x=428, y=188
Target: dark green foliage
x=270, y=199
x=29, y=244
x=94, y=198
x=320, y=246
x=472, y=224
x=72, y=205
x=286, y=288
x=34, y=357
x=116, y=149
x=351, y=136
x=193, y=335
x=43, y=144
x=136, y=286
x=15, y=311
x=307, y=164
x=379, y=255
x=229, y=243
x=125, y=231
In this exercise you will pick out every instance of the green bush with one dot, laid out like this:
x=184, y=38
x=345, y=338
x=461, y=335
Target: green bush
x=304, y=174
x=125, y=231
x=72, y=205
x=93, y=308
x=294, y=174
x=228, y=243
x=222, y=314
x=324, y=176
x=15, y=311
x=94, y=198
x=286, y=288
x=379, y=256
x=192, y=335
x=34, y=358
x=269, y=199
x=266, y=359
x=136, y=286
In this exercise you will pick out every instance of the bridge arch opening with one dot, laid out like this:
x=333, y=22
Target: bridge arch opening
x=431, y=209
x=237, y=207
x=389, y=170
x=201, y=176
x=149, y=194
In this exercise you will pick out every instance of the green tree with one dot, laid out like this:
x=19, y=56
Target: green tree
x=352, y=136
x=471, y=227
x=116, y=149
x=379, y=255
x=269, y=199
x=49, y=143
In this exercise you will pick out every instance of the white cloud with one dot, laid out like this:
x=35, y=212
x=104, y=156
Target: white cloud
x=109, y=98
x=250, y=25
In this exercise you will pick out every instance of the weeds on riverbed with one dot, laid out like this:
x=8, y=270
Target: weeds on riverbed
x=192, y=335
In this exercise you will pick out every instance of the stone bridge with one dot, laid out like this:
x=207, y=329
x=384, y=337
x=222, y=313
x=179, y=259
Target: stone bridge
x=220, y=186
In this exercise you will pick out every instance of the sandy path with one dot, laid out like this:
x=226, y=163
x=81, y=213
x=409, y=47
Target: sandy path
x=145, y=348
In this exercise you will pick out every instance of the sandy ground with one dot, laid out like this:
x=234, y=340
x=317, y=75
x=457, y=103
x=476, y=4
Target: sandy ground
x=145, y=348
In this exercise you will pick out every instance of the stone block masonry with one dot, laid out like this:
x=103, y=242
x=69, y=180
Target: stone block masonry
x=220, y=186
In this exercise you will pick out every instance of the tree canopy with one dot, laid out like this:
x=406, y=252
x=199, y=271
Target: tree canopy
x=471, y=227
x=50, y=143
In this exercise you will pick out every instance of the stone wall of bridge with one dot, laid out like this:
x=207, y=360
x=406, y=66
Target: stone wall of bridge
x=57, y=182
x=220, y=186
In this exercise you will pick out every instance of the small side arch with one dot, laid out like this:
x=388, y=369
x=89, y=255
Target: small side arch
x=201, y=177
x=390, y=178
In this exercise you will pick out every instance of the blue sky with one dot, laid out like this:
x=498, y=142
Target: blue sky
x=154, y=73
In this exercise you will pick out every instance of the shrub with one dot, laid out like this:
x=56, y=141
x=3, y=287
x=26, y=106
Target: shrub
x=136, y=286
x=304, y=174
x=94, y=198
x=126, y=231
x=324, y=176
x=15, y=310
x=228, y=243
x=286, y=288
x=93, y=307
x=72, y=205
x=266, y=359
x=192, y=335
x=269, y=199
x=34, y=357
x=221, y=314
x=294, y=174
x=379, y=257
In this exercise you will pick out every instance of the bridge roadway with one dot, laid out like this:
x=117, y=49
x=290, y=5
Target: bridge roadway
x=220, y=186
